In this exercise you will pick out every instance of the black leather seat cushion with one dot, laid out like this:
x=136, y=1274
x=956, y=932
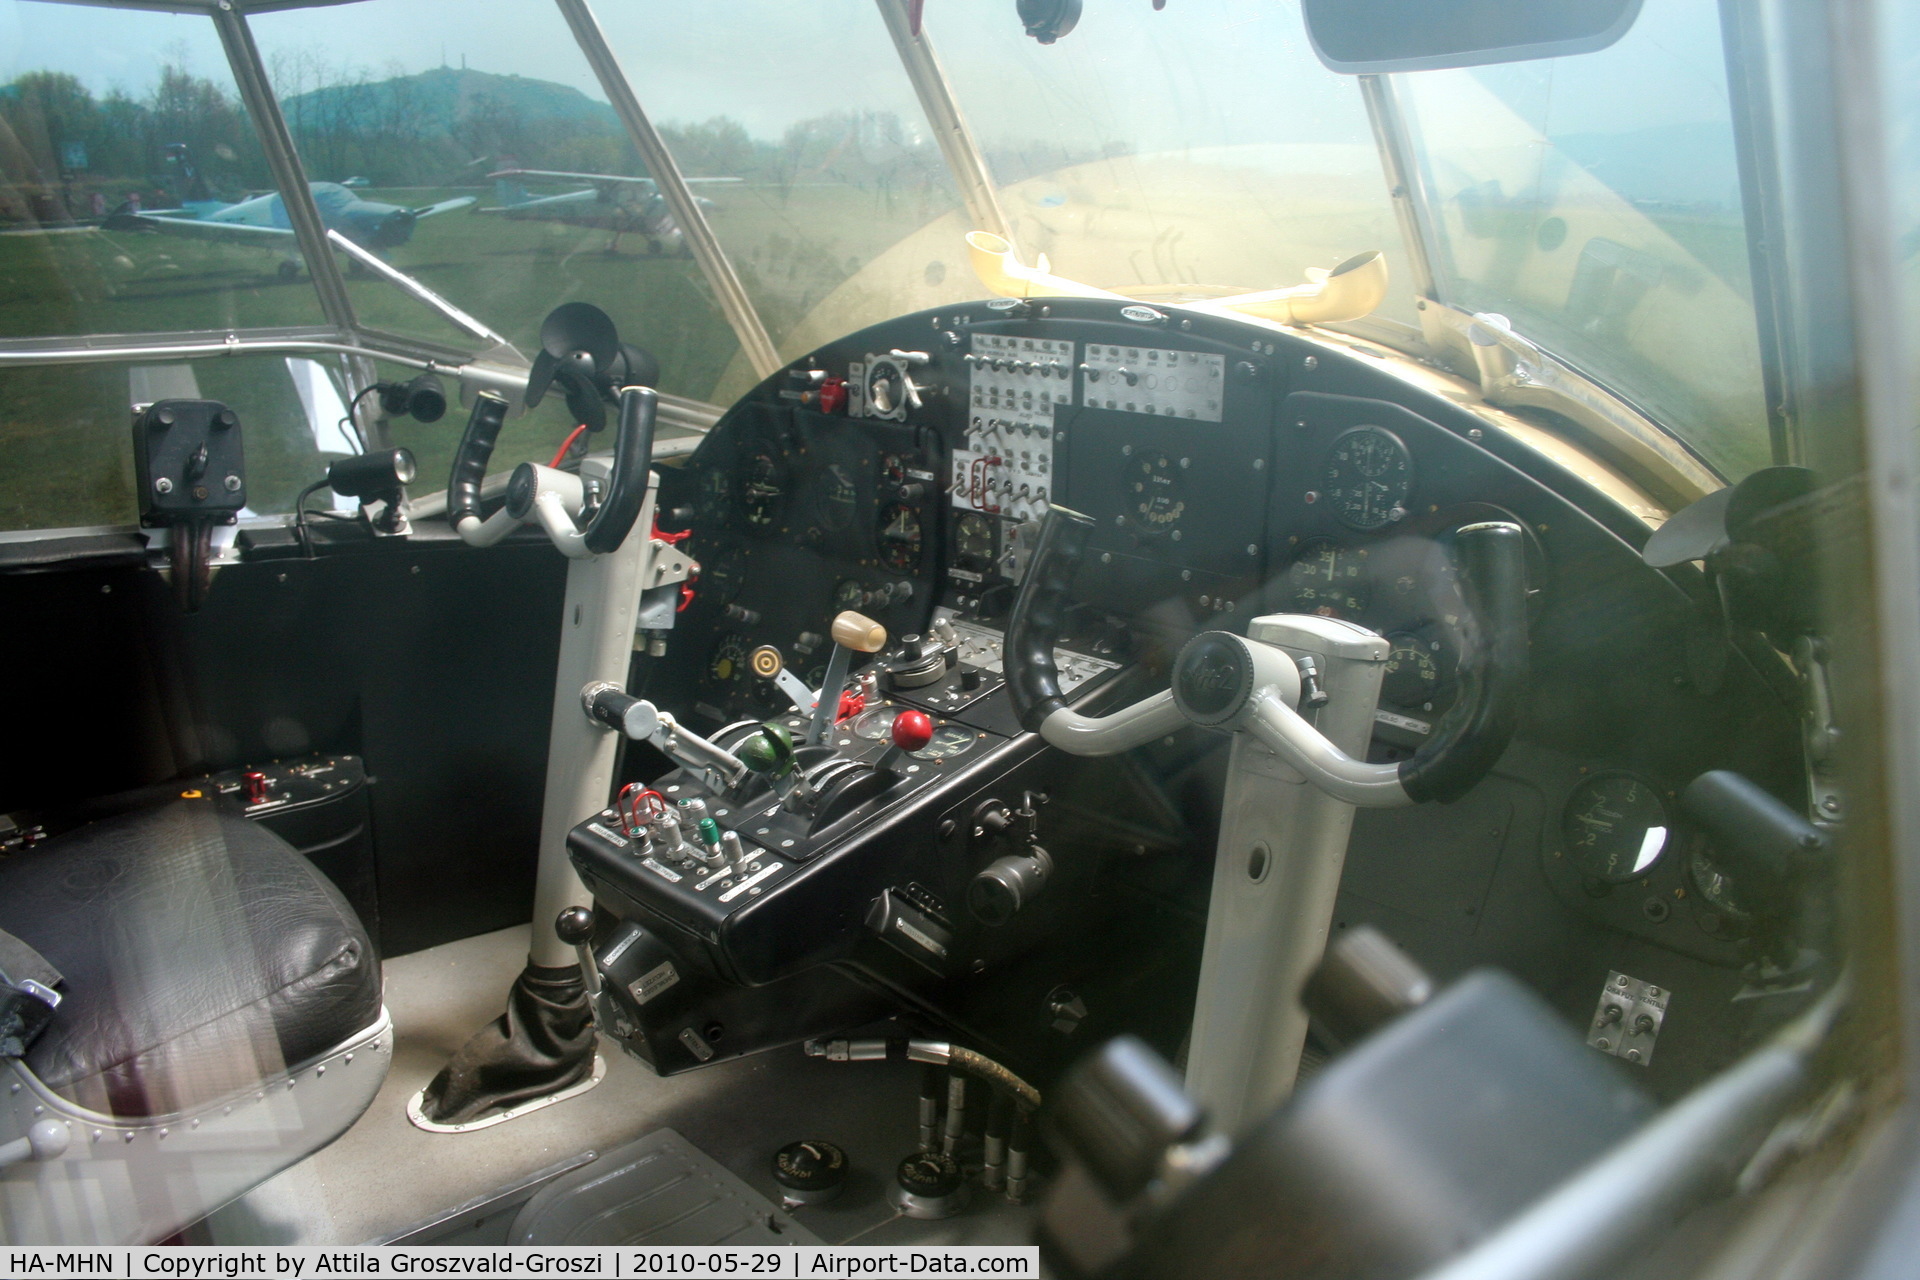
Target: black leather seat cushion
x=202, y=954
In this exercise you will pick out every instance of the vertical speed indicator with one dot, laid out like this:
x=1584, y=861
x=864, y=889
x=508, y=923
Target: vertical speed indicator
x=1368, y=477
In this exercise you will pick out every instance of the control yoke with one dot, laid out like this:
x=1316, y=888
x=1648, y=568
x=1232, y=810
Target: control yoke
x=1227, y=682
x=556, y=499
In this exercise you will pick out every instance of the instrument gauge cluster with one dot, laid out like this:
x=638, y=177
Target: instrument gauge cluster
x=1367, y=478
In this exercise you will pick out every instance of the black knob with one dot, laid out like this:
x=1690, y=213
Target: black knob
x=575, y=925
x=929, y=1175
x=810, y=1172
x=971, y=679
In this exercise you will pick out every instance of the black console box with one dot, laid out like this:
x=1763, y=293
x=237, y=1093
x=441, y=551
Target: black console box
x=320, y=806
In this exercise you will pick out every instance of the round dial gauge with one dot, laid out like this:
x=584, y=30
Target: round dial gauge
x=763, y=484
x=949, y=740
x=728, y=661
x=839, y=497
x=1412, y=676
x=887, y=388
x=973, y=539
x=875, y=722
x=723, y=571
x=1155, y=496
x=1716, y=887
x=1328, y=579
x=1368, y=477
x=900, y=537
x=1615, y=827
x=716, y=490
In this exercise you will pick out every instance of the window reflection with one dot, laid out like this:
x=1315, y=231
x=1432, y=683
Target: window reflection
x=1595, y=201
x=841, y=211
x=124, y=151
x=1189, y=152
x=452, y=115
x=66, y=432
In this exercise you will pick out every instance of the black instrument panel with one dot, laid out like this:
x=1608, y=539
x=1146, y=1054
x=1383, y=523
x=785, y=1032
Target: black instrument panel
x=1277, y=475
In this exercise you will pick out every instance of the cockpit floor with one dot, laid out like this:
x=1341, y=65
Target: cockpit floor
x=385, y=1177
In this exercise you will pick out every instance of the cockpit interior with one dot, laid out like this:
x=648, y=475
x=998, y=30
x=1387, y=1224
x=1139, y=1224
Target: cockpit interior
x=1231, y=640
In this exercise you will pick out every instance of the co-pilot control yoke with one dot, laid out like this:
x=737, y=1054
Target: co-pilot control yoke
x=614, y=574
x=1298, y=693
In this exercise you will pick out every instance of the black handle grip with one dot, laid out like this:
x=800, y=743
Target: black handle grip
x=1032, y=680
x=1768, y=847
x=614, y=707
x=1493, y=674
x=471, y=458
x=632, y=465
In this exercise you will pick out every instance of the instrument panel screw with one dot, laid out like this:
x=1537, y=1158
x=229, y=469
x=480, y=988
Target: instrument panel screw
x=233, y=484
x=1475, y=433
x=1253, y=549
x=1310, y=363
x=163, y=485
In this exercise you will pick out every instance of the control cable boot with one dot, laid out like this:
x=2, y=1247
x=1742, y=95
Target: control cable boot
x=542, y=1044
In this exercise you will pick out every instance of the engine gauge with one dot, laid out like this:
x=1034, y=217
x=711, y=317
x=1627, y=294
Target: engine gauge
x=875, y=722
x=1368, y=477
x=1615, y=827
x=839, y=498
x=1328, y=579
x=974, y=539
x=728, y=661
x=889, y=390
x=1715, y=886
x=901, y=539
x=763, y=484
x=949, y=740
x=1155, y=494
x=1412, y=676
x=723, y=571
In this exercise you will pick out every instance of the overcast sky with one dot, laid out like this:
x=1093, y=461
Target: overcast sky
x=1200, y=72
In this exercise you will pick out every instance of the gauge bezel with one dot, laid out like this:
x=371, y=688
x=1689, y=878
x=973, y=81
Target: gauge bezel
x=1402, y=504
x=1667, y=847
x=1157, y=462
x=885, y=545
x=1364, y=580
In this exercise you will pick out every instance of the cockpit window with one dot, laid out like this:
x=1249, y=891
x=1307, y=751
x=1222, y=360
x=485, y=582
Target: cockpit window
x=512, y=185
x=1595, y=202
x=822, y=179
x=1190, y=152
x=134, y=196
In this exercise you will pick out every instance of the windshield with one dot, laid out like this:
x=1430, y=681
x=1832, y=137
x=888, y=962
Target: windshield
x=1189, y=152
x=1594, y=200
x=1177, y=154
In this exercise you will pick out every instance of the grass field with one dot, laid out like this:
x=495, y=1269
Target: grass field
x=65, y=456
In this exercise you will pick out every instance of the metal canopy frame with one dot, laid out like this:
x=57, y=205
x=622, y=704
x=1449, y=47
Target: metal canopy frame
x=357, y=345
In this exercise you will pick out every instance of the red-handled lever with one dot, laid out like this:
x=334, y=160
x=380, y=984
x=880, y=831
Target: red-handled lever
x=911, y=731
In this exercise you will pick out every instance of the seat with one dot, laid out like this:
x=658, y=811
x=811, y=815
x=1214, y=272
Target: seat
x=221, y=1019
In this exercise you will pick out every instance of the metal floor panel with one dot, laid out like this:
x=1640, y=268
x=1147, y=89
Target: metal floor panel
x=385, y=1178
x=661, y=1190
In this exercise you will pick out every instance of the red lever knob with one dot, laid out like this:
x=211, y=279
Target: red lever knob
x=912, y=730
x=256, y=783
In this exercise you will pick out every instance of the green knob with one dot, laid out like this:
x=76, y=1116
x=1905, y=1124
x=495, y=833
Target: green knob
x=710, y=831
x=768, y=750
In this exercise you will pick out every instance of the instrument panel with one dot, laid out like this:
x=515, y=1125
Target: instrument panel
x=1230, y=471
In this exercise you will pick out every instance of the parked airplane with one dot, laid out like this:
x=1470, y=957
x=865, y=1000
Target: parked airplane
x=618, y=204
x=262, y=220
